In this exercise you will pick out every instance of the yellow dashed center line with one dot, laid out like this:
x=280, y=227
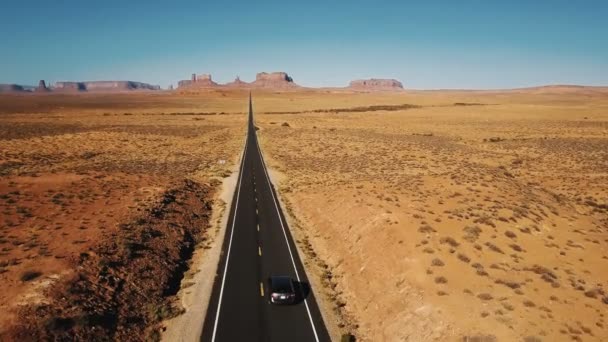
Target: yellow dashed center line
x=258, y=227
x=260, y=250
x=261, y=289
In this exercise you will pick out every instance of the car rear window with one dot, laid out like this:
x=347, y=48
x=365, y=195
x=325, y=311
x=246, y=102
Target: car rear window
x=281, y=284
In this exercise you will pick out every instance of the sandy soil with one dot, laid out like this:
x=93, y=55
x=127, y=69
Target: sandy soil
x=422, y=215
x=76, y=169
x=446, y=215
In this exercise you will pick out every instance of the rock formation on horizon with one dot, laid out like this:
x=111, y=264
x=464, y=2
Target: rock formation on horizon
x=272, y=80
x=42, y=88
x=202, y=80
x=11, y=88
x=105, y=86
x=376, y=84
x=237, y=83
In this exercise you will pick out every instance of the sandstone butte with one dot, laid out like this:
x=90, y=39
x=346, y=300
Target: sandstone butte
x=95, y=86
x=281, y=80
x=376, y=84
x=272, y=80
x=267, y=80
x=104, y=86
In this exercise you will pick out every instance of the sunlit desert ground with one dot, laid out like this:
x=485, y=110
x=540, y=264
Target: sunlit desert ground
x=423, y=216
x=102, y=198
x=469, y=214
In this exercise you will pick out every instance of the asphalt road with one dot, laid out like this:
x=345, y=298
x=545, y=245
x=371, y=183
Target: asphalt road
x=258, y=244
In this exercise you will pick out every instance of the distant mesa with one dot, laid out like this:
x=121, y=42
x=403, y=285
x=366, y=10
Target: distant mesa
x=203, y=80
x=376, y=84
x=70, y=86
x=11, y=88
x=104, y=86
x=42, y=88
x=272, y=80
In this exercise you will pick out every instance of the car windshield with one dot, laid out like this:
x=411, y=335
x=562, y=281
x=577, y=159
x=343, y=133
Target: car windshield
x=281, y=284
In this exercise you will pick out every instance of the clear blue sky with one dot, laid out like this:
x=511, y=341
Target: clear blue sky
x=425, y=44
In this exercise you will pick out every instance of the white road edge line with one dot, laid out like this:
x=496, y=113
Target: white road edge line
x=312, y=324
x=236, y=206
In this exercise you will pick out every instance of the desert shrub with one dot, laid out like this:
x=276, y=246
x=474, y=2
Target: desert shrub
x=471, y=233
x=485, y=296
x=516, y=247
x=485, y=219
x=545, y=274
x=437, y=262
x=528, y=303
x=510, y=234
x=426, y=229
x=463, y=258
x=593, y=293
x=494, y=248
x=508, y=283
x=441, y=280
x=508, y=306
x=449, y=240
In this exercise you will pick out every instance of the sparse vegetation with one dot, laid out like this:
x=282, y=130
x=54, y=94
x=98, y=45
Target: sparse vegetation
x=528, y=204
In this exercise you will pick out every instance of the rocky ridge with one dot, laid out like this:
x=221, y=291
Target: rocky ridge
x=376, y=84
x=272, y=80
x=104, y=86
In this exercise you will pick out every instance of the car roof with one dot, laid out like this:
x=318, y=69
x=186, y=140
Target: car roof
x=281, y=283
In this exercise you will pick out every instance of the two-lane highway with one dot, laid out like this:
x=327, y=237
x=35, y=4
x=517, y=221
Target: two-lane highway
x=258, y=244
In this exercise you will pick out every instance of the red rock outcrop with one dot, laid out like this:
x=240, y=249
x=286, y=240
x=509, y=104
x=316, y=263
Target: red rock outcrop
x=237, y=83
x=376, y=84
x=202, y=81
x=42, y=88
x=274, y=80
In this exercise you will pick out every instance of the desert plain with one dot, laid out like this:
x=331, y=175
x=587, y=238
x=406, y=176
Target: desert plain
x=421, y=215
